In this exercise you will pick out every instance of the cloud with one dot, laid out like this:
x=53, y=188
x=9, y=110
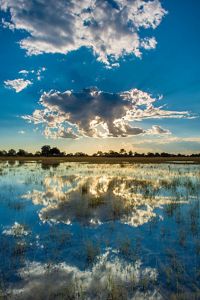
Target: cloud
x=37, y=72
x=111, y=29
x=94, y=113
x=24, y=72
x=28, y=77
x=157, y=130
x=168, y=140
x=149, y=43
x=164, y=143
x=21, y=132
x=17, y=84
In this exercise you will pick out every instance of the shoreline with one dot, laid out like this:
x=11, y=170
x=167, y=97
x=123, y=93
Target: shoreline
x=104, y=160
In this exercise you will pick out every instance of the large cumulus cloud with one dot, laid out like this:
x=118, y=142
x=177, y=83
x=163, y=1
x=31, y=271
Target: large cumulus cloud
x=111, y=28
x=95, y=113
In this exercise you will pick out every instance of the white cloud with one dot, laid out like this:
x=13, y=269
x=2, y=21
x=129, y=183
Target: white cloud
x=37, y=72
x=149, y=43
x=17, y=84
x=24, y=72
x=110, y=28
x=21, y=132
x=94, y=113
x=168, y=140
x=157, y=130
x=28, y=77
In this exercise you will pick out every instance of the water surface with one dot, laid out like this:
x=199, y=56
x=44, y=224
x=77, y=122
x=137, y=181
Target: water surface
x=89, y=231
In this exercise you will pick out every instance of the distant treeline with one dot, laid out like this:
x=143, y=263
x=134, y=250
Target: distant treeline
x=54, y=151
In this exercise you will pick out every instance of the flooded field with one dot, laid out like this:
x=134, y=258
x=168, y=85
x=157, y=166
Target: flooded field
x=99, y=231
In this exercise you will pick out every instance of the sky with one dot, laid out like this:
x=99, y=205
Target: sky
x=89, y=75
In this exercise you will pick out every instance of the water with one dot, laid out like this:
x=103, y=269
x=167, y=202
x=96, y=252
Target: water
x=89, y=231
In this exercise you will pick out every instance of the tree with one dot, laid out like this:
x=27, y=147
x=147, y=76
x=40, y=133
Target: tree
x=80, y=154
x=164, y=154
x=21, y=152
x=3, y=153
x=111, y=153
x=150, y=154
x=157, y=154
x=45, y=150
x=130, y=153
x=37, y=153
x=99, y=153
x=70, y=154
x=55, y=151
x=11, y=152
x=122, y=152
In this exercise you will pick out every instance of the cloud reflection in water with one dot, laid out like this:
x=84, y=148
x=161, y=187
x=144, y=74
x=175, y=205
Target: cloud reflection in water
x=98, y=196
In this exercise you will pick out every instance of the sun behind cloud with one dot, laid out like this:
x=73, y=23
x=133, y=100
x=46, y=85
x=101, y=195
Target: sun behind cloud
x=94, y=113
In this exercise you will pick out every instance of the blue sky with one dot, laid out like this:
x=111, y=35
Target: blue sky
x=170, y=68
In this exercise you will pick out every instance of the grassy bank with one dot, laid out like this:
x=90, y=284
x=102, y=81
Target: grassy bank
x=103, y=160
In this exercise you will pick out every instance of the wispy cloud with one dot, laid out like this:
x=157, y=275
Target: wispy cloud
x=174, y=139
x=24, y=72
x=37, y=73
x=157, y=130
x=95, y=113
x=17, y=84
x=110, y=28
x=21, y=132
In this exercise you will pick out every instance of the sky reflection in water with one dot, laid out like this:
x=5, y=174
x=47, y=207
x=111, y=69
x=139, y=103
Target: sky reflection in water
x=99, y=231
